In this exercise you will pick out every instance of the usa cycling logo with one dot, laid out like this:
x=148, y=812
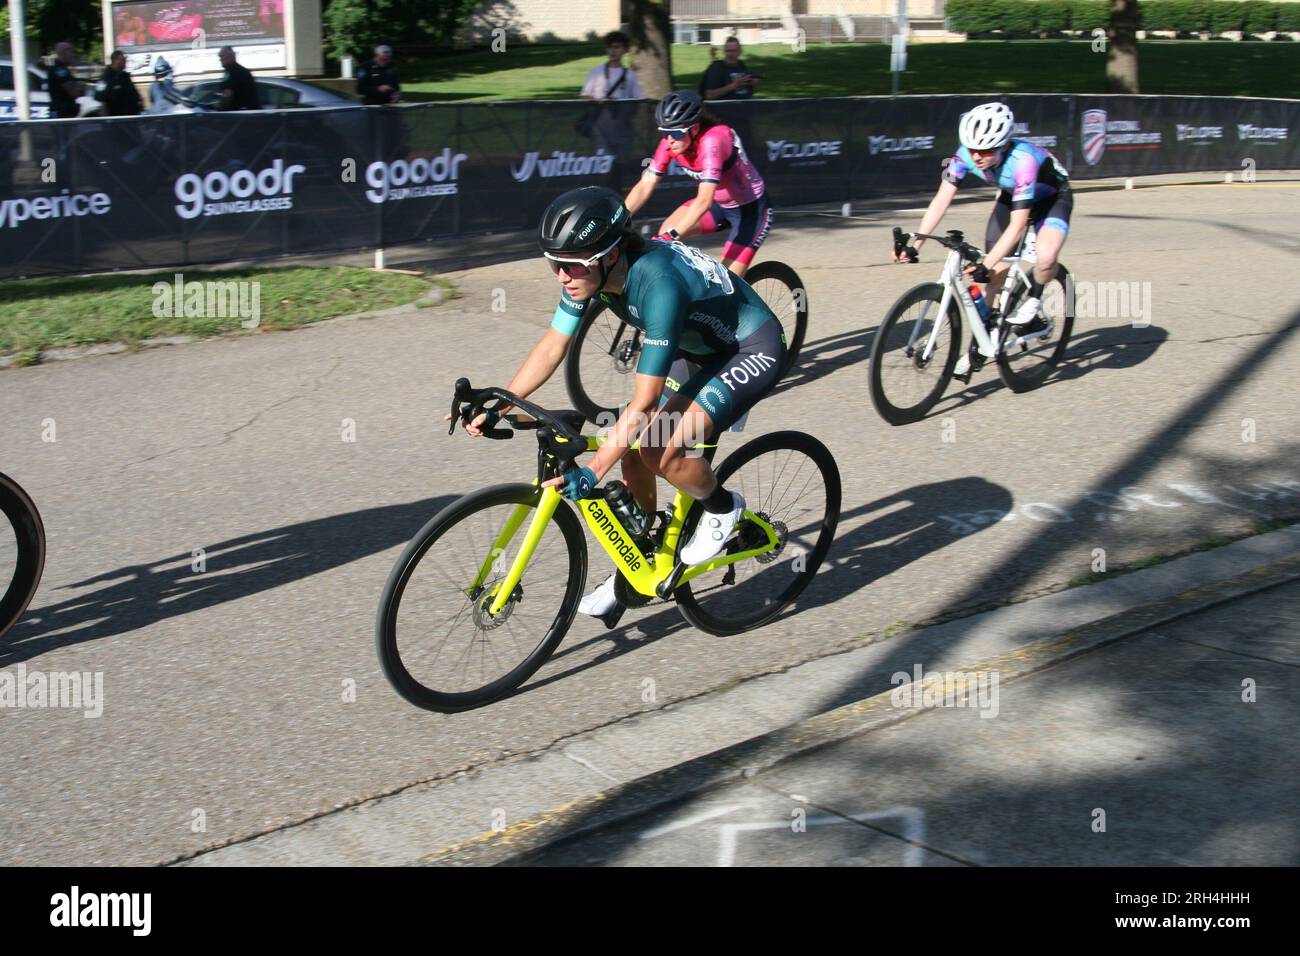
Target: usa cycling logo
x=1093, y=131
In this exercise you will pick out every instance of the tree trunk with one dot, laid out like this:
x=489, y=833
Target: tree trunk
x=1122, y=51
x=651, y=31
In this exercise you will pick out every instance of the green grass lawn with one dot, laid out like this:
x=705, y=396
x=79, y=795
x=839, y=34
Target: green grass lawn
x=1220, y=68
x=39, y=314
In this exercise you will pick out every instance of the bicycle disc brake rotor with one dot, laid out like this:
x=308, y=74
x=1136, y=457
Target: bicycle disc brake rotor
x=485, y=620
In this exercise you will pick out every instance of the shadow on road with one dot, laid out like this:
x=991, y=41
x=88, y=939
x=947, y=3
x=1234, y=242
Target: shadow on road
x=136, y=596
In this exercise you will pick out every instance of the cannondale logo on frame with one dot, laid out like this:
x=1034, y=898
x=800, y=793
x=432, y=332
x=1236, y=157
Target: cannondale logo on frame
x=219, y=193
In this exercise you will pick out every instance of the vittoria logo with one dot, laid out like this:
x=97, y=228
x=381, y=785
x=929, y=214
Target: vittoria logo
x=562, y=164
x=611, y=530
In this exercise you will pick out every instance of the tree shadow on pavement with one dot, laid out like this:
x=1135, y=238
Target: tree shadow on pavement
x=1110, y=348
x=136, y=596
x=1185, y=806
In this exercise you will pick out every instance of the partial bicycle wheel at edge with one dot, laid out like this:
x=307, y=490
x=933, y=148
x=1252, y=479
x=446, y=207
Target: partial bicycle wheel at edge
x=792, y=480
x=430, y=595
x=21, y=516
x=1025, y=368
x=904, y=386
x=600, y=365
x=788, y=304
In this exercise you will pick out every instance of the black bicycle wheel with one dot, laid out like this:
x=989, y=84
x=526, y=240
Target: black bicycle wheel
x=22, y=560
x=781, y=288
x=792, y=480
x=598, y=370
x=904, y=383
x=1025, y=367
x=438, y=645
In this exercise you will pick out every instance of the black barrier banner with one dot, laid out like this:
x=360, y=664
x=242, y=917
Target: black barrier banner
x=155, y=191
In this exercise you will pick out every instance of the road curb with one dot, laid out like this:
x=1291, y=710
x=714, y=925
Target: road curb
x=512, y=845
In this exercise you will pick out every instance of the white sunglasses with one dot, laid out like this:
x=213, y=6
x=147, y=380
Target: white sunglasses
x=585, y=262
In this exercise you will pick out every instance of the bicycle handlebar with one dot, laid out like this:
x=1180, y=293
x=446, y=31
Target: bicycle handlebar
x=556, y=430
x=954, y=240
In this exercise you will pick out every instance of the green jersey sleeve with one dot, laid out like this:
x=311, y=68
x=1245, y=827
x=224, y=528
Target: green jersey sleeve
x=662, y=308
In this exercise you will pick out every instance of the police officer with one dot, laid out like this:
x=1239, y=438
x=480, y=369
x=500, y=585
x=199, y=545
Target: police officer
x=115, y=89
x=377, y=82
x=238, y=88
x=64, y=87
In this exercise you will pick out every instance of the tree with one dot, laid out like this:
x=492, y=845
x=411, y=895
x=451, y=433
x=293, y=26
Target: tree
x=1122, y=51
x=650, y=27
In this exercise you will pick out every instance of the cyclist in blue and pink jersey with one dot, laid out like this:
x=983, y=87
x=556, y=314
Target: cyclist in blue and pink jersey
x=1033, y=187
x=731, y=194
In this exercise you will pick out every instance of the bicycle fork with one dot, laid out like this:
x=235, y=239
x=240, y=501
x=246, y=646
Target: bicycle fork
x=542, y=514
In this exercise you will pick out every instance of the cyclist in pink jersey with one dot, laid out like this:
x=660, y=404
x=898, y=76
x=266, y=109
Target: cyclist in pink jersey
x=731, y=195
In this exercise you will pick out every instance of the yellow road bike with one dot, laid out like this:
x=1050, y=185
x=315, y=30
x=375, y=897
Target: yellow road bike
x=485, y=592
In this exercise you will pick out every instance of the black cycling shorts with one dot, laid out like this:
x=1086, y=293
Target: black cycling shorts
x=727, y=385
x=1052, y=211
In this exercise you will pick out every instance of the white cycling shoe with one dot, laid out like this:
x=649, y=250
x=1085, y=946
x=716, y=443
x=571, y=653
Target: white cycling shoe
x=711, y=533
x=600, y=601
x=1027, y=312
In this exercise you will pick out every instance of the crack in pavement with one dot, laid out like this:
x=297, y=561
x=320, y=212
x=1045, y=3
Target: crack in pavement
x=314, y=386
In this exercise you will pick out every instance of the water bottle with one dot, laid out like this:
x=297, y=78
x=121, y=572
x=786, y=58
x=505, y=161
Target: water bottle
x=621, y=502
x=977, y=297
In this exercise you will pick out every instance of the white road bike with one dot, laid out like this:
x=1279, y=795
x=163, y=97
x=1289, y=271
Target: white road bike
x=917, y=346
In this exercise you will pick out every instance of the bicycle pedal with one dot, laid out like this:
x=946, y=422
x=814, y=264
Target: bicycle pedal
x=611, y=619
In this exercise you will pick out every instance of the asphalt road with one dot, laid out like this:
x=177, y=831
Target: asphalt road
x=247, y=696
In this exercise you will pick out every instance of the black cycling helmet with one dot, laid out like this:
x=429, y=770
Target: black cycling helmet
x=583, y=220
x=679, y=109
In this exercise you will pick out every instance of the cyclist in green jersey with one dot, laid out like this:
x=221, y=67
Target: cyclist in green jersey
x=711, y=350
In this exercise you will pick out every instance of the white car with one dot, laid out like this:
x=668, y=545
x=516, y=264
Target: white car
x=40, y=95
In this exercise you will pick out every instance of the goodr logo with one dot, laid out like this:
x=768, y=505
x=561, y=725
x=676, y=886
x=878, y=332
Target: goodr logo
x=211, y=194
x=415, y=178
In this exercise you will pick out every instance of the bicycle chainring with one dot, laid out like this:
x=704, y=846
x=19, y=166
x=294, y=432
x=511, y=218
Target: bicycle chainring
x=629, y=596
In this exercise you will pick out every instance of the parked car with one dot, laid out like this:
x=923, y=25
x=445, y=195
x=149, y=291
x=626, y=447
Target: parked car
x=39, y=95
x=274, y=93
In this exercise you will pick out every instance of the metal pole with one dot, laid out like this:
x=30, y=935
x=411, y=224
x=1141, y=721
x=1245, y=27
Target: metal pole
x=18, y=50
x=900, y=31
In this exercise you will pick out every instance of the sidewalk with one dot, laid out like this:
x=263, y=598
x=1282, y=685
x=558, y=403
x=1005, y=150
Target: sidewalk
x=1149, y=736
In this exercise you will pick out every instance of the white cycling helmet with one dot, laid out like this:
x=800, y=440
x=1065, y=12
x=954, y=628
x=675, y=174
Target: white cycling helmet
x=987, y=126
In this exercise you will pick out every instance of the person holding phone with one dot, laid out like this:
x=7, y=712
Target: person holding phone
x=728, y=78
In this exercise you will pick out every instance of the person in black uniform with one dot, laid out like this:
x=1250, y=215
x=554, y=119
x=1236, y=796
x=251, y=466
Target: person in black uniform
x=377, y=83
x=115, y=89
x=64, y=87
x=238, y=89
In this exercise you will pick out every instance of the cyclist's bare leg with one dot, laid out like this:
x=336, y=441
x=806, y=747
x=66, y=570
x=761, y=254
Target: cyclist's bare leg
x=997, y=277
x=737, y=267
x=1047, y=248
x=639, y=473
x=673, y=455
